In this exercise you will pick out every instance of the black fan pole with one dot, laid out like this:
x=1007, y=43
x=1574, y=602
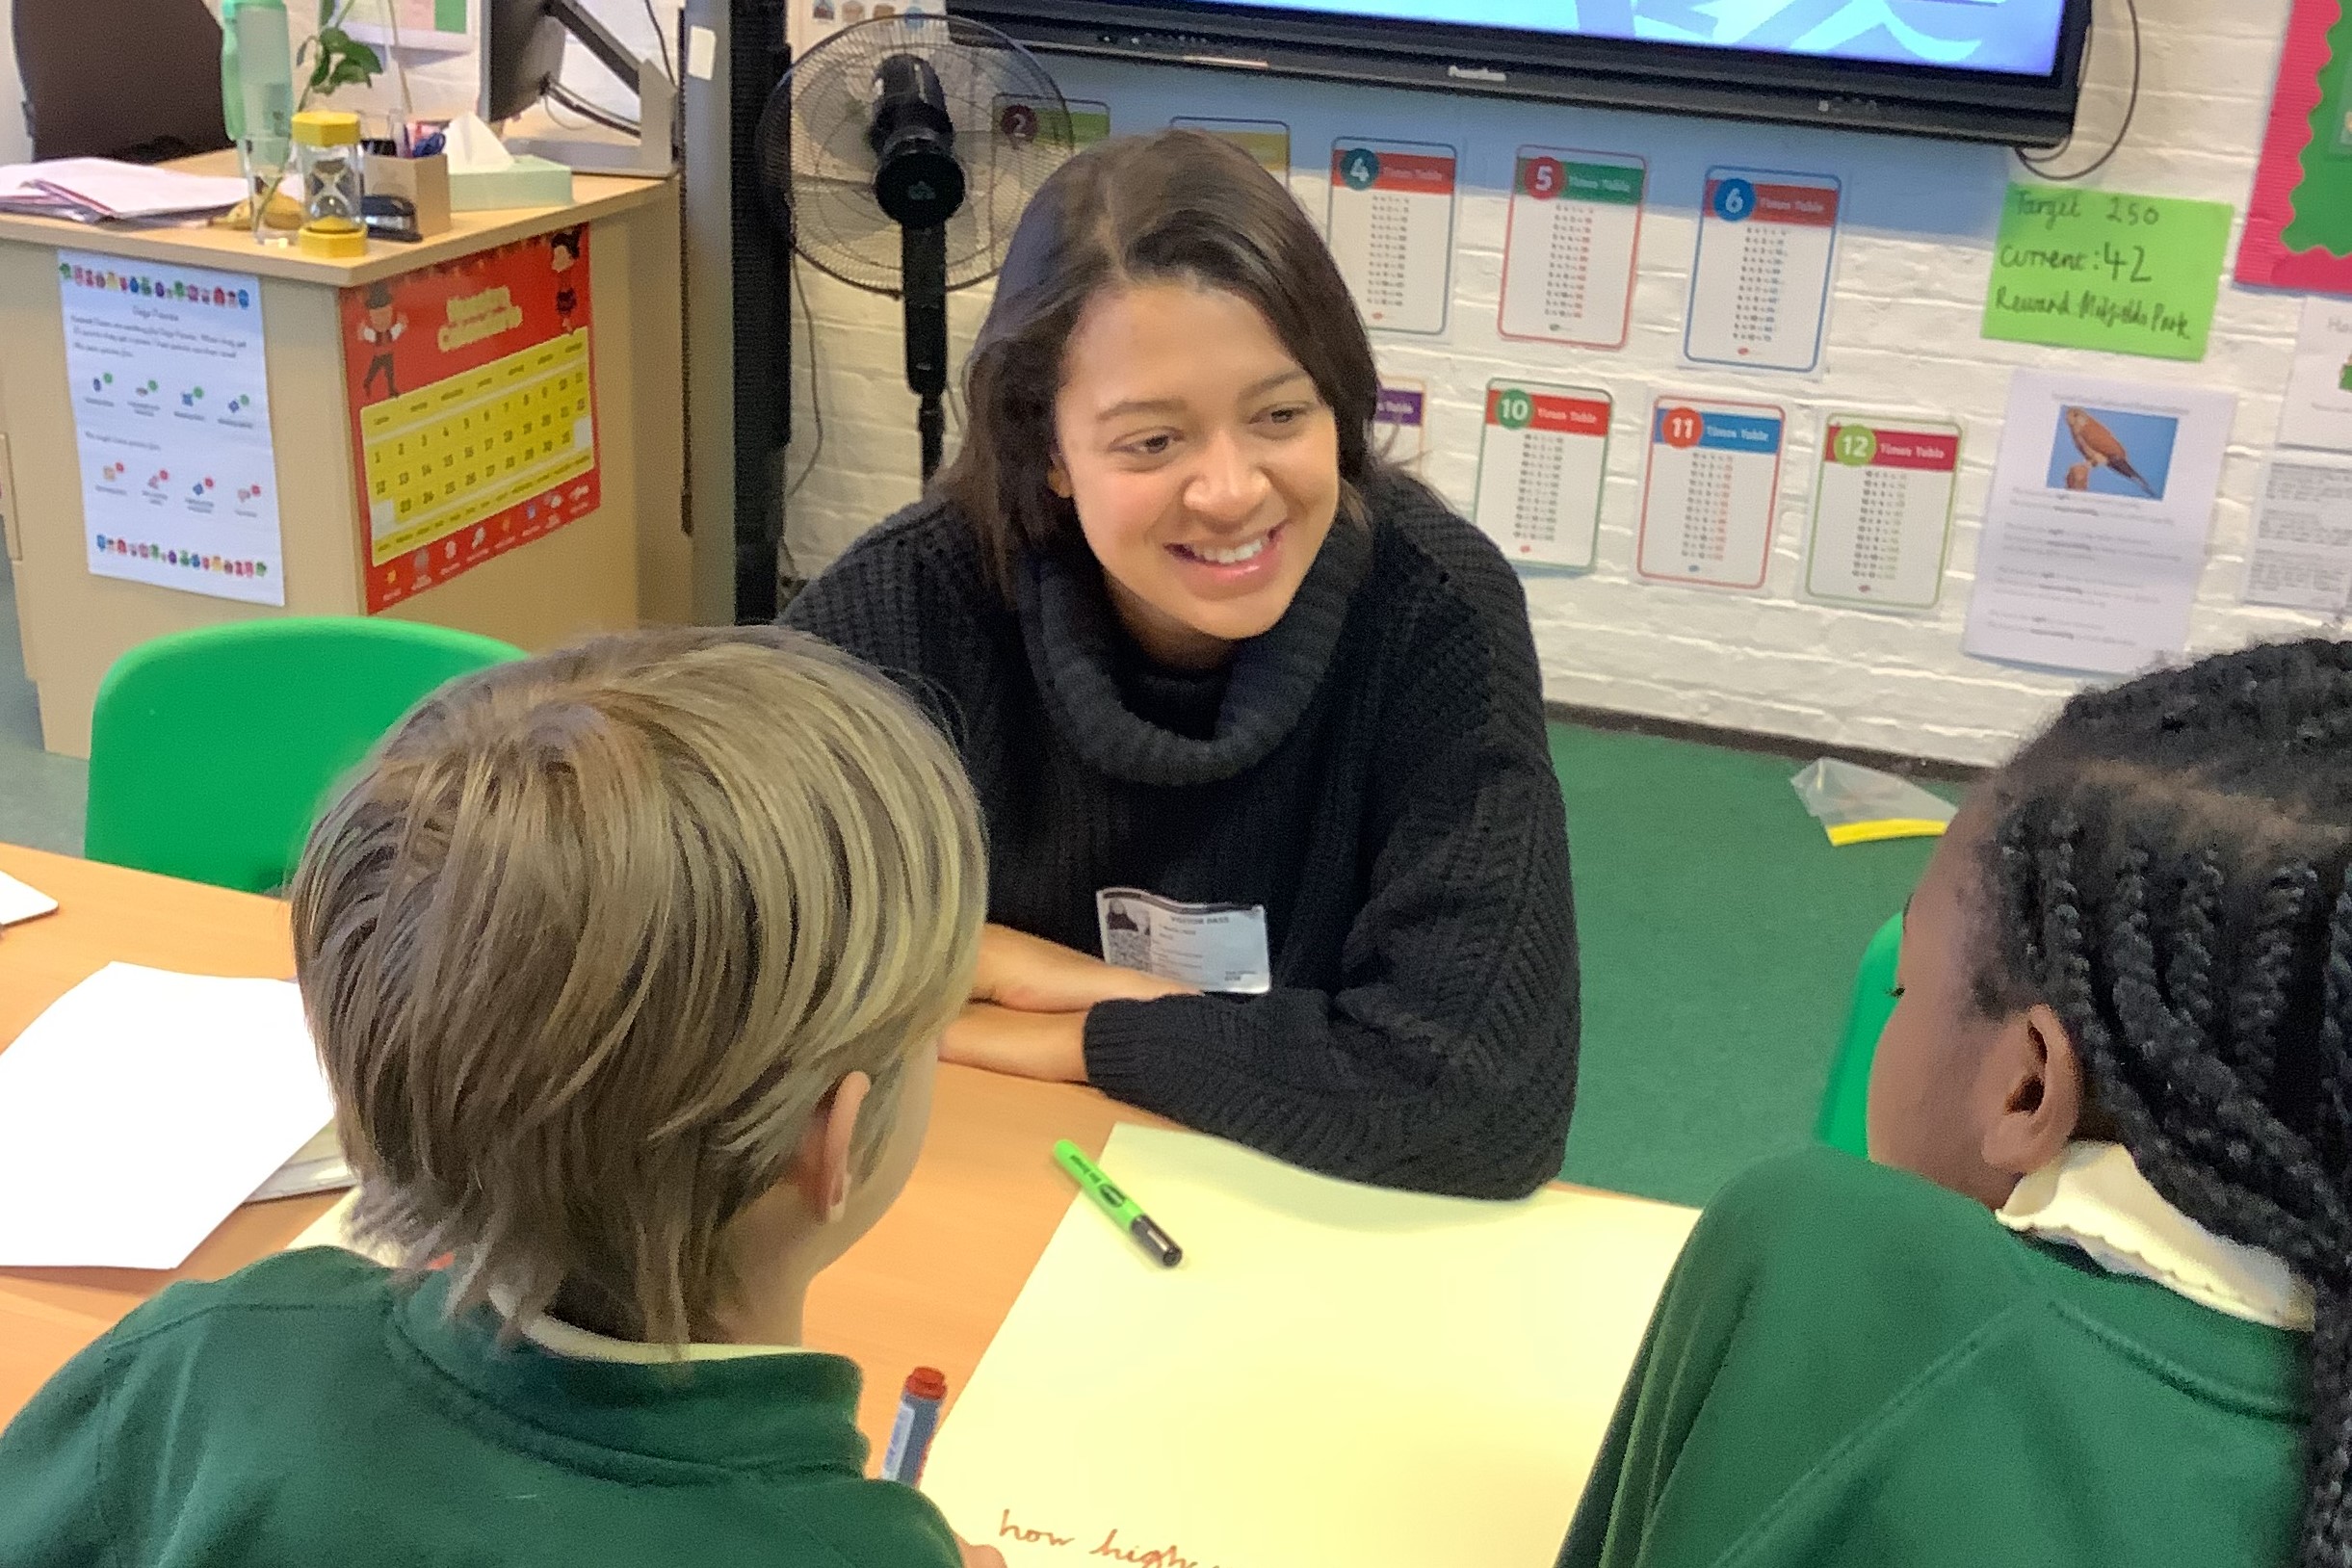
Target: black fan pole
x=924, y=255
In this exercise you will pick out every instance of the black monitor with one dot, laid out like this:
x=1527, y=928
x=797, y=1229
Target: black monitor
x=522, y=56
x=1988, y=71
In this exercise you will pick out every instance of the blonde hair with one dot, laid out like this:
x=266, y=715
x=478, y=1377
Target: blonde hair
x=591, y=935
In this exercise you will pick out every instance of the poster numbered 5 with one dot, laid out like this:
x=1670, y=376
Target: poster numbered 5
x=1760, y=281
x=1569, y=245
x=1391, y=230
x=1711, y=489
x=1543, y=457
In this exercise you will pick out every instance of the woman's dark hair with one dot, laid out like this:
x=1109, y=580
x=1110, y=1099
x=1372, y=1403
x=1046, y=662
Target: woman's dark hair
x=1178, y=204
x=2167, y=871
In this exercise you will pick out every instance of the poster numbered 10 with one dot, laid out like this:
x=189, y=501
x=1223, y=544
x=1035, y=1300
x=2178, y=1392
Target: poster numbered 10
x=1569, y=245
x=1543, y=457
x=1760, y=282
x=1713, y=486
x=1882, y=511
x=1391, y=230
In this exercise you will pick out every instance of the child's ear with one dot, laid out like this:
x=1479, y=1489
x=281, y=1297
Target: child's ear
x=2038, y=1079
x=821, y=1168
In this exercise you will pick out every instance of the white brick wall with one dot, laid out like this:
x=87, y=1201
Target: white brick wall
x=1903, y=334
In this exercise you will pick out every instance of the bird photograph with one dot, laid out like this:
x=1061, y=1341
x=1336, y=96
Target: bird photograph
x=2096, y=443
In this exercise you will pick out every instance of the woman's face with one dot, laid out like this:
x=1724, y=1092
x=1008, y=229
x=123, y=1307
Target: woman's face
x=1202, y=462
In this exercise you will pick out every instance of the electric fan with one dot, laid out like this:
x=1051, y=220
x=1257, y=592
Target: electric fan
x=897, y=156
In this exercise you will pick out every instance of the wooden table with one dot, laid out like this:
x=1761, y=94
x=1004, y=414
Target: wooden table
x=926, y=1288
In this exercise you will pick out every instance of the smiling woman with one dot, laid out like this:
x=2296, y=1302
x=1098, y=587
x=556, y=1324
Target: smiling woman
x=1250, y=715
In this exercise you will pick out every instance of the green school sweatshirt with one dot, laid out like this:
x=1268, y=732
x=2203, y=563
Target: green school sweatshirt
x=1852, y=1366
x=304, y=1412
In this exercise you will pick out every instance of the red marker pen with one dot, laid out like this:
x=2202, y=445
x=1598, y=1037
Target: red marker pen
x=911, y=1435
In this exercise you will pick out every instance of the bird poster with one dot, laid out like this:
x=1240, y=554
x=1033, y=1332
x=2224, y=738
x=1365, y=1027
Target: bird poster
x=2095, y=531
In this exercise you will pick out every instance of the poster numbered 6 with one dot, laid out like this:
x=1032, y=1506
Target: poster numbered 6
x=1391, y=230
x=1882, y=511
x=1543, y=457
x=1760, y=281
x=1713, y=486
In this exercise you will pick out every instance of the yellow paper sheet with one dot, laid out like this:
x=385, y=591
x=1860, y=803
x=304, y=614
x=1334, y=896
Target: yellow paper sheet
x=1335, y=1375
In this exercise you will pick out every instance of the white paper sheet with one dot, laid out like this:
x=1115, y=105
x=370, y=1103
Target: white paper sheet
x=118, y=190
x=172, y=418
x=2095, y=531
x=2317, y=408
x=1336, y=1376
x=141, y=1107
x=17, y=901
x=2301, y=556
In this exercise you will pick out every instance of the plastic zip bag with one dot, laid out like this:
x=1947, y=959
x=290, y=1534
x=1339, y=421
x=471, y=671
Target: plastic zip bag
x=1856, y=805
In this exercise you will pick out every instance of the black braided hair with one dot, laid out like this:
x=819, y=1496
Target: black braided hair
x=2167, y=870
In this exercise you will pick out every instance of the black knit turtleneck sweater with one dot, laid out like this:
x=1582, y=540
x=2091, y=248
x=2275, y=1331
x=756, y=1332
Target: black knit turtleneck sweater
x=1372, y=770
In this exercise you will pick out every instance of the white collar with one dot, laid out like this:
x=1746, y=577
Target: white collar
x=2093, y=1196
x=563, y=1340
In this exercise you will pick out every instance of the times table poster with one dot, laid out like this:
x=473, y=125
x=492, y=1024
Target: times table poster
x=1391, y=230
x=1760, y=281
x=1713, y=484
x=473, y=409
x=1882, y=511
x=1543, y=457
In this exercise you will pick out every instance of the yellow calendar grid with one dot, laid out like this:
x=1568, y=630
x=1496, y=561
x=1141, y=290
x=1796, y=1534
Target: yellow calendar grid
x=469, y=445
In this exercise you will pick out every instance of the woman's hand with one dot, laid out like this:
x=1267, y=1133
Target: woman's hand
x=1047, y=1045
x=1028, y=973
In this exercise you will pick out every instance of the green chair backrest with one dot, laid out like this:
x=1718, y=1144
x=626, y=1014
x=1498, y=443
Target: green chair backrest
x=211, y=751
x=1845, y=1123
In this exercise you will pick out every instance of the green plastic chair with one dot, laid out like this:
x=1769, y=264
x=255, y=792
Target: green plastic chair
x=1845, y=1123
x=212, y=750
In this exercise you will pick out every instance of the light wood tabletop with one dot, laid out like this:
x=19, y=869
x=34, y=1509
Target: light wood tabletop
x=929, y=1286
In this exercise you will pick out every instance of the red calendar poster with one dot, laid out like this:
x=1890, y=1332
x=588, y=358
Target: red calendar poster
x=1882, y=511
x=473, y=409
x=1713, y=485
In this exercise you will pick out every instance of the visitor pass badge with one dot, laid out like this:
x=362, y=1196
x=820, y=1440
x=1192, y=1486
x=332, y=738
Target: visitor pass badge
x=1214, y=947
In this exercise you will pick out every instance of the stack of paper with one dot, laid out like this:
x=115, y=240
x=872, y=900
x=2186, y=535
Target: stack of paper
x=141, y=1107
x=1335, y=1376
x=97, y=190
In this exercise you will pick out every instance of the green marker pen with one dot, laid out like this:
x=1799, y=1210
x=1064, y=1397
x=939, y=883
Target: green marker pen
x=1118, y=1203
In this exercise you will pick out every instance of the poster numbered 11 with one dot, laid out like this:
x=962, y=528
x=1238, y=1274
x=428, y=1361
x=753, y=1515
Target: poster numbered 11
x=1760, y=282
x=1882, y=511
x=1543, y=457
x=1568, y=246
x=1713, y=486
x=1391, y=230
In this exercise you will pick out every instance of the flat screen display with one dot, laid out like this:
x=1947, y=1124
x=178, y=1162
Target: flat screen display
x=2017, y=38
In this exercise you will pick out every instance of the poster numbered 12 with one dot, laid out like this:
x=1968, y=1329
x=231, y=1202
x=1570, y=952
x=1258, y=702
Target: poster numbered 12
x=1569, y=245
x=1760, y=281
x=1543, y=457
x=1882, y=511
x=1391, y=230
x=1713, y=486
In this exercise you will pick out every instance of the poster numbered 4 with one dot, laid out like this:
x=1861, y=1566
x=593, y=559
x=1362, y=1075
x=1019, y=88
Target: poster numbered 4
x=1713, y=485
x=1760, y=281
x=1569, y=245
x=1882, y=511
x=1391, y=230
x=1543, y=457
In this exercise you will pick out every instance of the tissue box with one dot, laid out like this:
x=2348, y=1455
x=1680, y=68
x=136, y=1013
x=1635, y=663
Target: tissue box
x=424, y=183
x=529, y=182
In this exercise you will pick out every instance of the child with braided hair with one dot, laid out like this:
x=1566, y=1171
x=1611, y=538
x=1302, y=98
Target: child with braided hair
x=2093, y=1302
